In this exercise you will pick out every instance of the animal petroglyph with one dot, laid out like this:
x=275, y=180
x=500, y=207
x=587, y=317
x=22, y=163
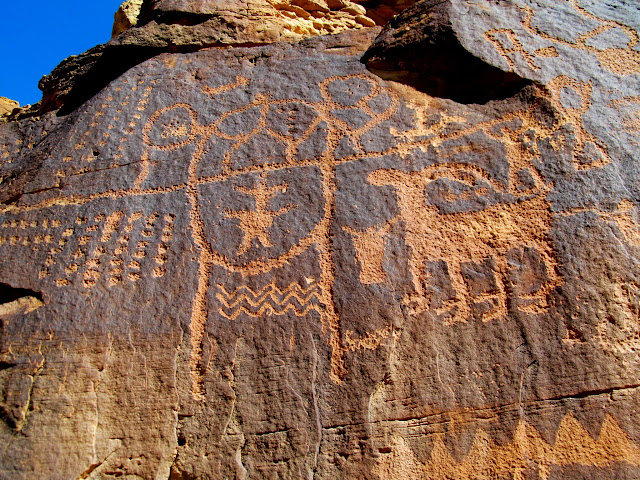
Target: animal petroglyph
x=521, y=219
x=463, y=237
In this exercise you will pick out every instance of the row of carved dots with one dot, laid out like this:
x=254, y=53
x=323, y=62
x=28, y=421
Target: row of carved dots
x=121, y=108
x=106, y=227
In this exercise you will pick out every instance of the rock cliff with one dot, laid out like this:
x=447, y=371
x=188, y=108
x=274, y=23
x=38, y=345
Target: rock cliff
x=328, y=240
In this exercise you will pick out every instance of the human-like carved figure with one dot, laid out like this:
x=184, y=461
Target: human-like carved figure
x=255, y=223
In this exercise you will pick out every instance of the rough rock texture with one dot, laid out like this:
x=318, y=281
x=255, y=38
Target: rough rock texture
x=7, y=106
x=188, y=26
x=420, y=47
x=267, y=262
x=183, y=23
x=126, y=16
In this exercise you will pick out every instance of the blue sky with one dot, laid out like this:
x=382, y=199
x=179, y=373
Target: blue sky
x=39, y=34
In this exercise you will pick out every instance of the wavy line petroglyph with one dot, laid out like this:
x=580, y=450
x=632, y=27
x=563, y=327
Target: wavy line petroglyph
x=527, y=451
x=270, y=300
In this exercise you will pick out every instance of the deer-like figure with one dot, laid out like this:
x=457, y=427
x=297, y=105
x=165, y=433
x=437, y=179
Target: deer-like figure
x=469, y=236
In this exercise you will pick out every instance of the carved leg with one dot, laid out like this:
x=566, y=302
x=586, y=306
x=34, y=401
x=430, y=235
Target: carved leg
x=499, y=297
x=418, y=301
x=537, y=302
x=460, y=305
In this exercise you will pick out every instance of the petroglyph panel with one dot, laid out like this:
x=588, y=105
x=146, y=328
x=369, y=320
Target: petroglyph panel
x=351, y=279
x=259, y=200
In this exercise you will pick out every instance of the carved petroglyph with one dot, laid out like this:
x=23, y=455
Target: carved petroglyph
x=255, y=223
x=177, y=126
x=493, y=233
x=461, y=237
x=620, y=60
x=509, y=46
x=163, y=248
x=250, y=152
x=270, y=300
x=589, y=151
x=613, y=44
x=629, y=107
x=87, y=150
x=369, y=245
x=103, y=246
x=527, y=451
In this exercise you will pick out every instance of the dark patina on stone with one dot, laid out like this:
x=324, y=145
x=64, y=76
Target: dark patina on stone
x=268, y=262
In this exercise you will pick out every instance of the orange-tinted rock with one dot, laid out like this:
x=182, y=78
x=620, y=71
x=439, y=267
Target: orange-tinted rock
x=268, y=262
x=7, y=106
x=126, y=16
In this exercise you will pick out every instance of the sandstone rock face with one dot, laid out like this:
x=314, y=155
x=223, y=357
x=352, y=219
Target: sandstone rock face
x=187, y=26
x=268, y=262
x=7, y=106
x=126, y=16
x=215, y=22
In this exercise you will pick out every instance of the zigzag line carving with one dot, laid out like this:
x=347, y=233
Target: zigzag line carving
x=527, y=451
x=269, y=300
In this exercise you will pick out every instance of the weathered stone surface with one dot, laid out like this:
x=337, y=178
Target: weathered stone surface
x=7, y=106
x=187, y=26
x=268, y=262
x=126, y=16
x=420, y=47
x=212, y=22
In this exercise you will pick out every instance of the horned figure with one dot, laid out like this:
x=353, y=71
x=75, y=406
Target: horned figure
x=457, y=238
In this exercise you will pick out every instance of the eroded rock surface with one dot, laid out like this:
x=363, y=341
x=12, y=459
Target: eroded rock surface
x=126, y=16
x=268, y=262
x=7, y=106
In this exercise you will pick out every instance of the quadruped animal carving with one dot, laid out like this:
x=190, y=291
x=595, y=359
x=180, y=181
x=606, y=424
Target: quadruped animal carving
x=472, y=236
